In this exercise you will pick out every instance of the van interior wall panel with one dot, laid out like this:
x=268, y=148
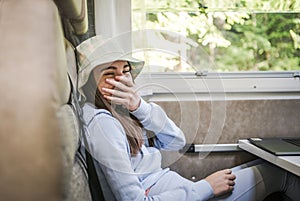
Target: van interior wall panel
x=226, y=122
x=32, y=89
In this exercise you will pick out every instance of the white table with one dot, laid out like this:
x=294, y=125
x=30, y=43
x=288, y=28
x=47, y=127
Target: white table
x=289, y=163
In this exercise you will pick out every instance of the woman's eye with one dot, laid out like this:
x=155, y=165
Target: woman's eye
x=126, y=69
x=109, y=74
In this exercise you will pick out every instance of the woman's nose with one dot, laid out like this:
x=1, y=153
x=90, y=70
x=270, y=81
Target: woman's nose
x=119, y=72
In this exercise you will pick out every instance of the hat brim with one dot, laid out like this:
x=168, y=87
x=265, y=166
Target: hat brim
x=85, y=71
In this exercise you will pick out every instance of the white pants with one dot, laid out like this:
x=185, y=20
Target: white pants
x=257, y=179
x=254, y=181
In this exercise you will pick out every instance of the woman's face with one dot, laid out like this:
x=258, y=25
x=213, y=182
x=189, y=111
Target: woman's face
x=109, y=71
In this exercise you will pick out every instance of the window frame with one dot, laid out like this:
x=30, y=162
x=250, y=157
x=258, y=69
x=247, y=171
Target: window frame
x=219, y=86
x=235, y=85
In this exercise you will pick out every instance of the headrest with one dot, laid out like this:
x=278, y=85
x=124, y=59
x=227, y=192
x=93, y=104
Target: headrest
x=76, y=12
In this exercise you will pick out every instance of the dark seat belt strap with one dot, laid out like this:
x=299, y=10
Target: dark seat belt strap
x=95, y=187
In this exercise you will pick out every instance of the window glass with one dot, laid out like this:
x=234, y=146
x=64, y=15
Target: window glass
x=232, y=35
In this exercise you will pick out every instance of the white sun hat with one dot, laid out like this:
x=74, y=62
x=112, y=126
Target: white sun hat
x=96, y=51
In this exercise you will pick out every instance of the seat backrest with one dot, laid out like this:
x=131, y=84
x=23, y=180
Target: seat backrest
x=33, y=87
x=76, y=187
x=39, y=129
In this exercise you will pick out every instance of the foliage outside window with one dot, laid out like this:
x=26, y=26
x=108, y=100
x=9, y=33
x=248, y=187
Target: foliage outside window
x=237, y=35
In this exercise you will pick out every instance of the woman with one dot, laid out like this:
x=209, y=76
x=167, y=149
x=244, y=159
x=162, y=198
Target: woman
x=127, y=166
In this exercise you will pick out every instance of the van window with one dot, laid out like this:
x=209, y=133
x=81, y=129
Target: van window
x=232, y=35
x=238, y=48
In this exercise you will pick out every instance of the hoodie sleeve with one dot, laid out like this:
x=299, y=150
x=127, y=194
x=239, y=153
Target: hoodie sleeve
x=153, y=118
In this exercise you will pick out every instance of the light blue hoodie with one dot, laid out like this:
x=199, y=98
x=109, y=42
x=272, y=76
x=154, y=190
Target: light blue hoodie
x=126, y=177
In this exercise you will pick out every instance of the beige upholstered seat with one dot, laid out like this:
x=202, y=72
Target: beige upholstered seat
x=39, y=128
x=76, y=187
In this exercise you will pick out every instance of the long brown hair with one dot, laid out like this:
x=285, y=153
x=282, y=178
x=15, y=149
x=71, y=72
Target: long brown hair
x=132, y=126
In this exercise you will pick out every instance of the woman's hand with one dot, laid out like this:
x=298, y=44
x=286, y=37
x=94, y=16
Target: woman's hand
x=221, y=181
x=123, y=92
